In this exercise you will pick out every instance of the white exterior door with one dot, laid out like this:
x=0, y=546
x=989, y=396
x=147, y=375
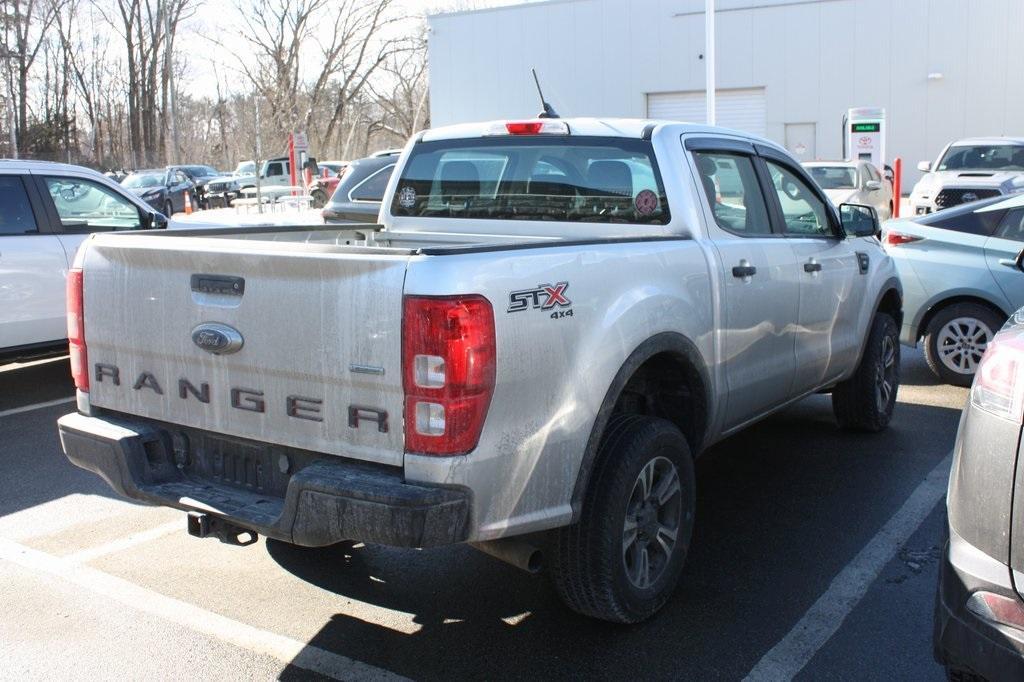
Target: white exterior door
x=741, y=109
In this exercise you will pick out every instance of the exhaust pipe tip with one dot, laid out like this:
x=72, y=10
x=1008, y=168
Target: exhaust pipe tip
x=512, y=551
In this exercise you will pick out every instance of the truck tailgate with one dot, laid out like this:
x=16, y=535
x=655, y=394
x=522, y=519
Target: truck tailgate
x=320, y=363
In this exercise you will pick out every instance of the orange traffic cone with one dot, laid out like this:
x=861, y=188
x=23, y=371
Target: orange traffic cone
x=188, y=203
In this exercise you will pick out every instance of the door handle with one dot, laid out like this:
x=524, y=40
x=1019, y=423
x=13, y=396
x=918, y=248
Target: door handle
x=744, y=270
x=812, y=266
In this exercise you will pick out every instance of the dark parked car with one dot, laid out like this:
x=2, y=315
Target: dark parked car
x=358, y=195
x=162, y=188
x=979, y=609
x=199, y=175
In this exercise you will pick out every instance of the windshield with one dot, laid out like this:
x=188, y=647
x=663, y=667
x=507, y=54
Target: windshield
x=246, y=168
x=138, y=180
x=834, y=177
x=987, y=157
x=564, y=178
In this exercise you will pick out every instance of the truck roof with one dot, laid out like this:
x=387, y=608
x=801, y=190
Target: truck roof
x=606, y=127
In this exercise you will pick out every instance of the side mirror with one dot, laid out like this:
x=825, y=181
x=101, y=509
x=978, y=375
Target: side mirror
x=1015, y=263
x=859, y=220
x=154, y=220
x=872, y=185
x=924, y=166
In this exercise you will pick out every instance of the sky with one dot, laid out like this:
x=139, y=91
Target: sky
x=214, y=43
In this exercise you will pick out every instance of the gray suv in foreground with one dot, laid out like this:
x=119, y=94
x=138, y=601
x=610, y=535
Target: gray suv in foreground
x=979, y=610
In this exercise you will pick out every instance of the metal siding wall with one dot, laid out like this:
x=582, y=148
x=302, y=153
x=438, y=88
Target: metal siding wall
x=602, y=57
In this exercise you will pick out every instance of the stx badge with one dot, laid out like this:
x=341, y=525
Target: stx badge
x=543, y=296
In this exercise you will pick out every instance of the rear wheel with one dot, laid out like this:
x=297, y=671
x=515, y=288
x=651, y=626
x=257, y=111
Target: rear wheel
x=866, y=400
x=956, y=338
x=621, y=561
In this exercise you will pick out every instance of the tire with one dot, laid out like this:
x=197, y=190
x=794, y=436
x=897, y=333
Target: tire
x=865, y=401
x=595, y=571
x=319, y=198
x=168, y=208
x=962, y=323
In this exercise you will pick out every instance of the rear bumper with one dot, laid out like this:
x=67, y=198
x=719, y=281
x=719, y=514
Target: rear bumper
x=964, y=638
x=311, y=501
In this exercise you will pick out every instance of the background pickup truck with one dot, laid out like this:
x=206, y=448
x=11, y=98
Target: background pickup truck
x=552, y=320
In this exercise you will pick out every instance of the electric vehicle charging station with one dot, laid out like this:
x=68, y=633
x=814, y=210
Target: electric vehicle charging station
x=864, y=135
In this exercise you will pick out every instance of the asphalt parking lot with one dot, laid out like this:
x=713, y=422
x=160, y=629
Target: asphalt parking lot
x=815, y=554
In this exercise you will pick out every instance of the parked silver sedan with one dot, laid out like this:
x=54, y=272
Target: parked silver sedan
x=853, y=182
x=962, y=278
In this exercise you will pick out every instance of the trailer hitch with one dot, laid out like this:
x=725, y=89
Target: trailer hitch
x=203, y=525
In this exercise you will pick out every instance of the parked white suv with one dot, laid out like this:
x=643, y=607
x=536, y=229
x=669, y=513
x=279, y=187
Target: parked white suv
x=46, y=211
x=969, y=170
x=552, y=320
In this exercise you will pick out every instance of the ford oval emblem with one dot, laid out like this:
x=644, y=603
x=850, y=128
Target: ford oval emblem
x=217, y=338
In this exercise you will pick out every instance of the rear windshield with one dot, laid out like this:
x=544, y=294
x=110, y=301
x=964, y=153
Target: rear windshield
x=834, y=177
x=967, y=218
x=563, y=178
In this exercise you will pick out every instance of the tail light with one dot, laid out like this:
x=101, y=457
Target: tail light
x=448, y=367
x=76, y=330
x=899, y=238
x=999, y=382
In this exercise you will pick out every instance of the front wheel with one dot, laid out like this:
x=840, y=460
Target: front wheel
x=621, y=561
x=955, y=340
x=866, y=400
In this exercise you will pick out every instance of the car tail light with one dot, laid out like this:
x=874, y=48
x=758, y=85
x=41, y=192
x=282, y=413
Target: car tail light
x=448, y=368
x=999, y=382
x=899, y=238
x=76, y=330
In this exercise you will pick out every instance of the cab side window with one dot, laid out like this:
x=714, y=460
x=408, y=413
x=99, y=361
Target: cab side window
x=83, y=205
x=16, y=216
x=733, y=193
x=276, y=168
x=804, y=213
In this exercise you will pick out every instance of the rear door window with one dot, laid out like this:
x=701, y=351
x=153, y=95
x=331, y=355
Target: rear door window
x=16, y=216
x=1012, y=226
x=733, y=193
x=537, y=177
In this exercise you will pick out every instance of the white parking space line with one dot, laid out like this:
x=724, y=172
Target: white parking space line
x=58, y=515
x=121, y=544
x=37, y=406
x=826, y=615
x=284, y=649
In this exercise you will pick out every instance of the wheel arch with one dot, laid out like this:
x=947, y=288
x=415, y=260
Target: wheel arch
x=936, y=307
x=662, y=360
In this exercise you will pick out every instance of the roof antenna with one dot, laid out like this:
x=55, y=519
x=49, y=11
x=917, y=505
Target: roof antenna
x=549, y=111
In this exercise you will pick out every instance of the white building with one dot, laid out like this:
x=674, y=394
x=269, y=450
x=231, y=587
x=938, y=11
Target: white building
x=786, y=69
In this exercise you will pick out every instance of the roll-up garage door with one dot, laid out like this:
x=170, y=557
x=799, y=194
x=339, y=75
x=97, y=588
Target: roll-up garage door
x=740, y=109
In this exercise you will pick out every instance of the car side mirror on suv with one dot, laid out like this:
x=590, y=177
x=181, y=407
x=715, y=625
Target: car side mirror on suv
x=859, y=220
x=924, y=166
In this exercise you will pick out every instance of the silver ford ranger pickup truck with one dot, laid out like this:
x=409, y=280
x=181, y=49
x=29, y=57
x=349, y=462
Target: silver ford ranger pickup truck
x=551, y=320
